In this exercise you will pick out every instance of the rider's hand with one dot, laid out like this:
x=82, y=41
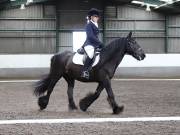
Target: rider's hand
x=98, y=49
x=101, y=45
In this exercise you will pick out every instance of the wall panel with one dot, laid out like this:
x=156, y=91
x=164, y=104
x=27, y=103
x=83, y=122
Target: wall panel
x=28, y=31
x=174, y=34
x=148, y=27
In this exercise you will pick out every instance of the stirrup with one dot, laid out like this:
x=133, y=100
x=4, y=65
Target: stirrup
x=85, y=74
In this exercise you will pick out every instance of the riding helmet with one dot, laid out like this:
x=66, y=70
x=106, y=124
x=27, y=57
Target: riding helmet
x=92, y=12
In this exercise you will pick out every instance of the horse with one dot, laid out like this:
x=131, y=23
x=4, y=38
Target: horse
x=110, y=57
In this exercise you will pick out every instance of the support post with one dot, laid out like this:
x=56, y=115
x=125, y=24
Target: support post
x=57, y=30
x=103, y=23
x=166, y=45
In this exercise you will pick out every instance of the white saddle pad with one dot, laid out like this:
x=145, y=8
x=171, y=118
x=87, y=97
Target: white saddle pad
x=78, y=59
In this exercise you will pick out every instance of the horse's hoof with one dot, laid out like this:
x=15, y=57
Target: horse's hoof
x=43, y=102
x=82, y=106
x=118, y=109
x=73, y=107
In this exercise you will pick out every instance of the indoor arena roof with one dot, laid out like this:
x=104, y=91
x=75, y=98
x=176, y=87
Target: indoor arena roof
x=164, y=6
x=14, y=3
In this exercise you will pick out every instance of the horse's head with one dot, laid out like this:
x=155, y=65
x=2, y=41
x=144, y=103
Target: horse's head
x=133, y=48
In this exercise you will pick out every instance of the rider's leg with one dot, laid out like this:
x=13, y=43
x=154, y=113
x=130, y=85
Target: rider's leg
x=89, y=50
x=88, y=63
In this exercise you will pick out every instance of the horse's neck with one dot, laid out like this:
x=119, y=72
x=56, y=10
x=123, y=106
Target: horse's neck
x=118, y=58
x=114, y=62
x=112, y=59
x=115, y=54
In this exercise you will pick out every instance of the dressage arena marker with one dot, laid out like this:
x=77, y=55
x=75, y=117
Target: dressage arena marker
x=115, y=79
x=89, y=120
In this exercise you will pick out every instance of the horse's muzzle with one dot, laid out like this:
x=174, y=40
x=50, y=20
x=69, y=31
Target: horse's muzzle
x=141, y=57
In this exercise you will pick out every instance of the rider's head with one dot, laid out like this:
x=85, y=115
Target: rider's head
x=93, y=14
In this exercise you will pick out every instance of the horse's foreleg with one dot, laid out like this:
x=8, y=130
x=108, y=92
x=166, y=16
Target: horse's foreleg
x=44, y=100
x=111, y=99
x=90, y=98
x=70, y=82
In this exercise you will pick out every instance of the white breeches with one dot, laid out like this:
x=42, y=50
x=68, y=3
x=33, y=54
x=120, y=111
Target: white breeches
x=89, y=50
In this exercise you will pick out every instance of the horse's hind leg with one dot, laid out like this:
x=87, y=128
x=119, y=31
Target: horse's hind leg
x=90, y=98
x=44, y=100
x=47, y=84
x=71, y=83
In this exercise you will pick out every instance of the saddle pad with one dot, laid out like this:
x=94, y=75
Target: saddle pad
x=78, y=59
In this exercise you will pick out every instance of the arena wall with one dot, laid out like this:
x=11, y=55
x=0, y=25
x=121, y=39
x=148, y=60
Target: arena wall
x=28, y=38
x=36, y=66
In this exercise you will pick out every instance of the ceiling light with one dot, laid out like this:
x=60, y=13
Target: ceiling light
x=138, y=2
x=168, y=1
x=161, y=5
x=29, y=1
x=143, y=3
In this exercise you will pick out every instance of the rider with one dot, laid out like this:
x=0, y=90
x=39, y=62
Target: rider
x=92, y=41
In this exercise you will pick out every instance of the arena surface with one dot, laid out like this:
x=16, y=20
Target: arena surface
x=150, y=98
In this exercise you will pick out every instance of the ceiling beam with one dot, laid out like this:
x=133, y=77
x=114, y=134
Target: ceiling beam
x=169, y=9
x=12, y=4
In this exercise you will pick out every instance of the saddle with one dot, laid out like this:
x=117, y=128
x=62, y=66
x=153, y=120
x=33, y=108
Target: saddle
x=81, y=51
x=80, y=57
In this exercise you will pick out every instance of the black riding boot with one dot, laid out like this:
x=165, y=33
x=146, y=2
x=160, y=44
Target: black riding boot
x=86, y=68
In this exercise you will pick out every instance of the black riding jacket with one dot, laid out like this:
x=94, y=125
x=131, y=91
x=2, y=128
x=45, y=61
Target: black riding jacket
x=92, y=33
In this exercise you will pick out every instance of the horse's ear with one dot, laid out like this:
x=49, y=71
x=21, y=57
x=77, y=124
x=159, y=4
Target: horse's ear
x=130, y=34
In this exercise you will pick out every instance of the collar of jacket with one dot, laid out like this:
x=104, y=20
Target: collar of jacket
x=96, y=24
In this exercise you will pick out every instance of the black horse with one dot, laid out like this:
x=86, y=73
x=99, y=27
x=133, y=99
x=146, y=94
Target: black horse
x=102, y=73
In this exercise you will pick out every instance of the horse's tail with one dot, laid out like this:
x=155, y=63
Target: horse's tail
x=49, y=81
x=42, y=86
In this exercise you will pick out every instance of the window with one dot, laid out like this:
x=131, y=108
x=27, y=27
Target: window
x=78, y=40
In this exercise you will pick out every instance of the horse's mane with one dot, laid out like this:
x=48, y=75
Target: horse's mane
x=112, y=48
x=115, y=44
